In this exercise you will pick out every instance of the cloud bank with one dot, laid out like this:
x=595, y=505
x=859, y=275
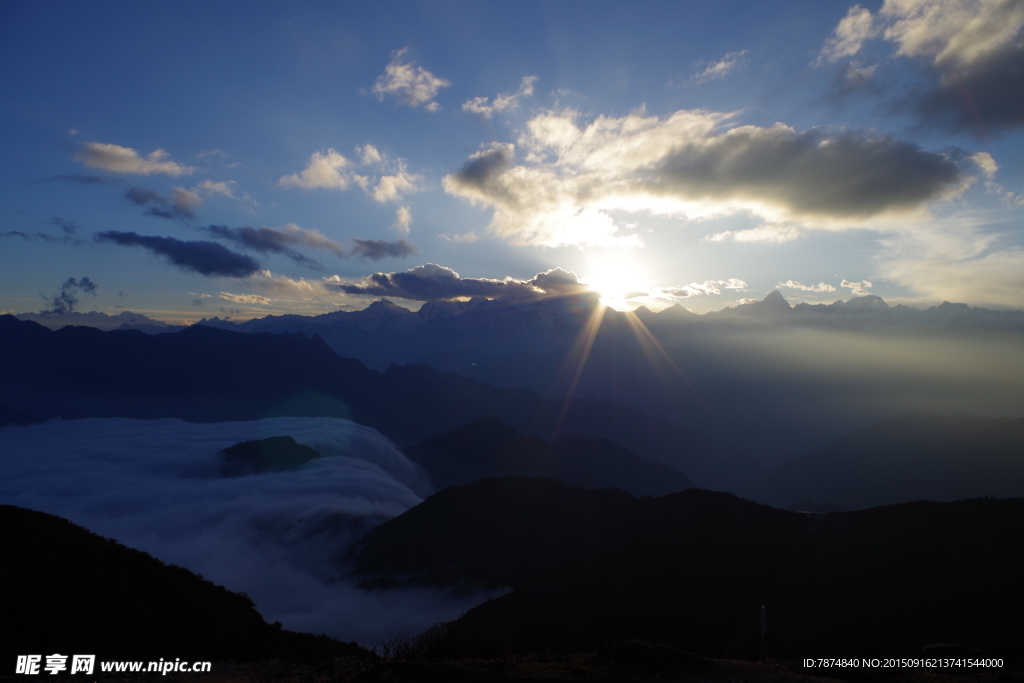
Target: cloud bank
x=820, y=287
x=179, y=205
x=205, y=258
x=278, y=240
x=281, y=537
x=431, y=282
x=376, y=250
x=973, y=47
x=120, y=159
x=573, y=178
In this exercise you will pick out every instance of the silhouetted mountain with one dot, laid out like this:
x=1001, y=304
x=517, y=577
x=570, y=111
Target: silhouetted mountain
x=125, y=320
x=67, y=590
x=273, y=454
x=692, y=569
x=204, y=374
x=813, y=507
x=915, y=457
x=487, y=448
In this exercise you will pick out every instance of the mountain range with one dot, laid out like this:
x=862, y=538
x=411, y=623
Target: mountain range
x=203, y=374
x=693, y=570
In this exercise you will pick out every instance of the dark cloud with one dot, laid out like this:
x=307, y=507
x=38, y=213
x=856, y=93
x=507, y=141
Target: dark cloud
x=66, y=239
x=178, y=206
x=206, y=258
x=68, y=227
x=278, y=241
x=851, y=175
x=987, y=98
x=432, y=282
x=64, y=301
x=484, y=166
x=557, y=281
x=375, y=250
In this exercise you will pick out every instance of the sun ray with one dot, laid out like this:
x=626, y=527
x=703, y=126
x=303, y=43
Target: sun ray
x=657, y=356
x=581, y=349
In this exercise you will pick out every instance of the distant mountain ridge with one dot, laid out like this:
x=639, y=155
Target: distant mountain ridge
x=922, y=456
x=487, y=448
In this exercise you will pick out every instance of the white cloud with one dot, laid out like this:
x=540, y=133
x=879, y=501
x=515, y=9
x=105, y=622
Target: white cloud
x=283, y=286
x=333, y=171
x=957, y=33
x=720, y=68
x=973, y=46
x=698, y=289
x=212, y=187
x=403, y=221
x=410, y=84
x=771, y=233
x=392, y=187
x=327, y=170
x=460, y=238
x=483, y=106
x=859, y=288
x=183, y=199
x=245, y=298
x=820, y=287
x=120, y=159
x=573, y=178
x=986, y=163
x=368, y=154
x=857, y=26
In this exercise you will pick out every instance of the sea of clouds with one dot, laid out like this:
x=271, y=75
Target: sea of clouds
x=281, y=537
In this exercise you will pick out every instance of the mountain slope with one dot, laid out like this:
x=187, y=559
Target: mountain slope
x=487, y=448
x=67, y=590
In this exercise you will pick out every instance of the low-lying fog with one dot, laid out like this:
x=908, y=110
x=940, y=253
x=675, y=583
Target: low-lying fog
x=278, y=536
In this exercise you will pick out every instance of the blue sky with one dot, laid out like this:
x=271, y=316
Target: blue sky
x=240, y=159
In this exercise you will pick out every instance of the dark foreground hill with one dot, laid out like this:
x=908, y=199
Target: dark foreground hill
x=65, y=589
x=487, y=448
x=914, y=457
x=202, y=374
x=692, y=570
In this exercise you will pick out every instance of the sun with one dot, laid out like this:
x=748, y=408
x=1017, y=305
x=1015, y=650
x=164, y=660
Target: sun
x=616, y=282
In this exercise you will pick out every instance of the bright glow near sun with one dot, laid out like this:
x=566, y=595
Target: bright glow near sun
x=615, y=281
